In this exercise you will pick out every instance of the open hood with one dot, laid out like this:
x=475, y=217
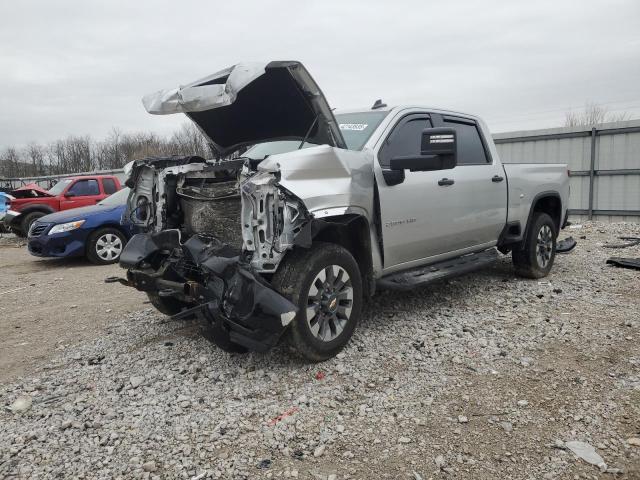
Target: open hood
x=30, y=190
x=251, y=103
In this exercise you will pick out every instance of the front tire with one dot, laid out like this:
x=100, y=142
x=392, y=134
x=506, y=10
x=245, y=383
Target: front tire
x=324, y=282
x=105, y=246
x=27, y=221
x=536, y=257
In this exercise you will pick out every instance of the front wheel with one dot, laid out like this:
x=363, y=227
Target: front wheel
x=324, y=282
x=105, y=246
x=535, y=258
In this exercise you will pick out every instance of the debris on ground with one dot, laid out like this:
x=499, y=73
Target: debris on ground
x=566, y=245
x=587, y=453
x=622, y=262
x=21, y=404
x=631, y=242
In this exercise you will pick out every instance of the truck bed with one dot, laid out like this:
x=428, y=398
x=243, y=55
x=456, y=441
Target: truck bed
x=528, y=180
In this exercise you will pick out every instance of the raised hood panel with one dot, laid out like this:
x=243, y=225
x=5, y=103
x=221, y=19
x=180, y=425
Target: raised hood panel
x=251, y=103
x=30, y=190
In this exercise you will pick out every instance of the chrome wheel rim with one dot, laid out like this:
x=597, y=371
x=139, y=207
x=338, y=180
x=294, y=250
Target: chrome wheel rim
x=545, y=246
x=109, y=247
x=329, y=303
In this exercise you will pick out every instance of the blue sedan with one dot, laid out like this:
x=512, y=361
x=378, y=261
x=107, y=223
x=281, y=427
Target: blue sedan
x=94, y=232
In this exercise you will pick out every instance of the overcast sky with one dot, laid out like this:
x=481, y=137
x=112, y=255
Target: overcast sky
x=80, y=67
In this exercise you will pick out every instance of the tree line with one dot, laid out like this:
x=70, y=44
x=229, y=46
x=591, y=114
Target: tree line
x=84, y=154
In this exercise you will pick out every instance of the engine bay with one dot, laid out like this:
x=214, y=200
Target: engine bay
x=230, y=201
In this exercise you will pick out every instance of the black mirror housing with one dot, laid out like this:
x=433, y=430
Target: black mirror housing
x=439, y=141
x=438, y=151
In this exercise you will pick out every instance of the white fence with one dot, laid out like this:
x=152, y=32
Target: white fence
x=604, y=161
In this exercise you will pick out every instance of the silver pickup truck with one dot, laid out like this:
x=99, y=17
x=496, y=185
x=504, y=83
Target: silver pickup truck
x=288, y=238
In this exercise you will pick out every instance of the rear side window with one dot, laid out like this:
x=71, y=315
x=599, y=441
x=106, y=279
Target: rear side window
x=470, y=147
x=404, y=140
x=84, y=187
x=109, y=186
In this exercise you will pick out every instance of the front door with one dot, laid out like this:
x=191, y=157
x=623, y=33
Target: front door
x=415, y=213
x=81, y=193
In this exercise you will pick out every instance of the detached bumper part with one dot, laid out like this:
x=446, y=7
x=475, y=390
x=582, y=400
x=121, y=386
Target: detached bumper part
x=235, y=304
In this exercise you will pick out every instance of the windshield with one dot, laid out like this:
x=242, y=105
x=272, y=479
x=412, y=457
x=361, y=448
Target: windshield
x=118, y=198
x=357, y=127
x=60, y=186
x=261, y=151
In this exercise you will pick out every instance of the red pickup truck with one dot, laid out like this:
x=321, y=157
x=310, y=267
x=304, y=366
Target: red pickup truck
x=32, y=201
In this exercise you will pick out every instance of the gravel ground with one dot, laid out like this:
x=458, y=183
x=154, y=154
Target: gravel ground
x=47, y=304
x=483, y=377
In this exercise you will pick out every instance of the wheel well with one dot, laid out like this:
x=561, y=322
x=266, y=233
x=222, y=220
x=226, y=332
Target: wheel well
x=352, y=233
x=36, y=208
x=552, y=206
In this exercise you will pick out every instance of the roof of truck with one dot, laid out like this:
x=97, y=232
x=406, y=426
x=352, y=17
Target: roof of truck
x=389, y=108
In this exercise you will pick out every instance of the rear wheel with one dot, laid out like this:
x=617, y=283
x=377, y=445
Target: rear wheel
x=536, y=257
x=324, y=282
x=105, y=246
x=27, y=221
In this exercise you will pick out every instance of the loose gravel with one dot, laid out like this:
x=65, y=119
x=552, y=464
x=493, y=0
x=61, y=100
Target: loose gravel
x=483, y=377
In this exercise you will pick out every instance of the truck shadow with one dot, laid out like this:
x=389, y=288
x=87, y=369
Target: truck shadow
x=442, y=293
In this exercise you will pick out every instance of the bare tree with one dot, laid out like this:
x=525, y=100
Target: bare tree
x=36, y=155
x=83, y=154
x=593, y=114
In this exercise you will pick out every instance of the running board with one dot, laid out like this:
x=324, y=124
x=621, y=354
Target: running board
x=408, y=279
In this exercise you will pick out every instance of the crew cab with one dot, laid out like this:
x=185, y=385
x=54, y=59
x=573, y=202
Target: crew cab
x=291, y=237
x=31, y=202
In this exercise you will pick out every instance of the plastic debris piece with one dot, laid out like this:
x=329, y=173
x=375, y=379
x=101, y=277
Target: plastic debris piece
x=587, y=453
x=624, y=262
x=566, y=245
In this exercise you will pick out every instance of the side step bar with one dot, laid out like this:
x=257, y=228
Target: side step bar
x=408, y=279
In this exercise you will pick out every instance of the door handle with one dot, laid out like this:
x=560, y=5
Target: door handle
x=497, y=178
x=446, y=181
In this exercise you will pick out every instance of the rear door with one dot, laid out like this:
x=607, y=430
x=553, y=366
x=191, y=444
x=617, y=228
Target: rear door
x=480, y=186
x=109, y=186
x=81, y=193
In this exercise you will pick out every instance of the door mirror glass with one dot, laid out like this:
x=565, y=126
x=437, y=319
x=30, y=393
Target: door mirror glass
x=438, y=151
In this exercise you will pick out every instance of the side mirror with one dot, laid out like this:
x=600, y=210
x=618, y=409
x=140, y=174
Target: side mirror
x=438, y=151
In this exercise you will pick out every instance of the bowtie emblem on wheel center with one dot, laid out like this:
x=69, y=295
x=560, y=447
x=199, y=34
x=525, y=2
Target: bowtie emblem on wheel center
x=333, y=304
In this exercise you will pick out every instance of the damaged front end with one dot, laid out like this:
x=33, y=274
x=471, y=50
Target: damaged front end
x=213, y=234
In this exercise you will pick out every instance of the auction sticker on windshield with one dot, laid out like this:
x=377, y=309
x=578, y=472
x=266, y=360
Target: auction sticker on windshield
x=358, y=127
